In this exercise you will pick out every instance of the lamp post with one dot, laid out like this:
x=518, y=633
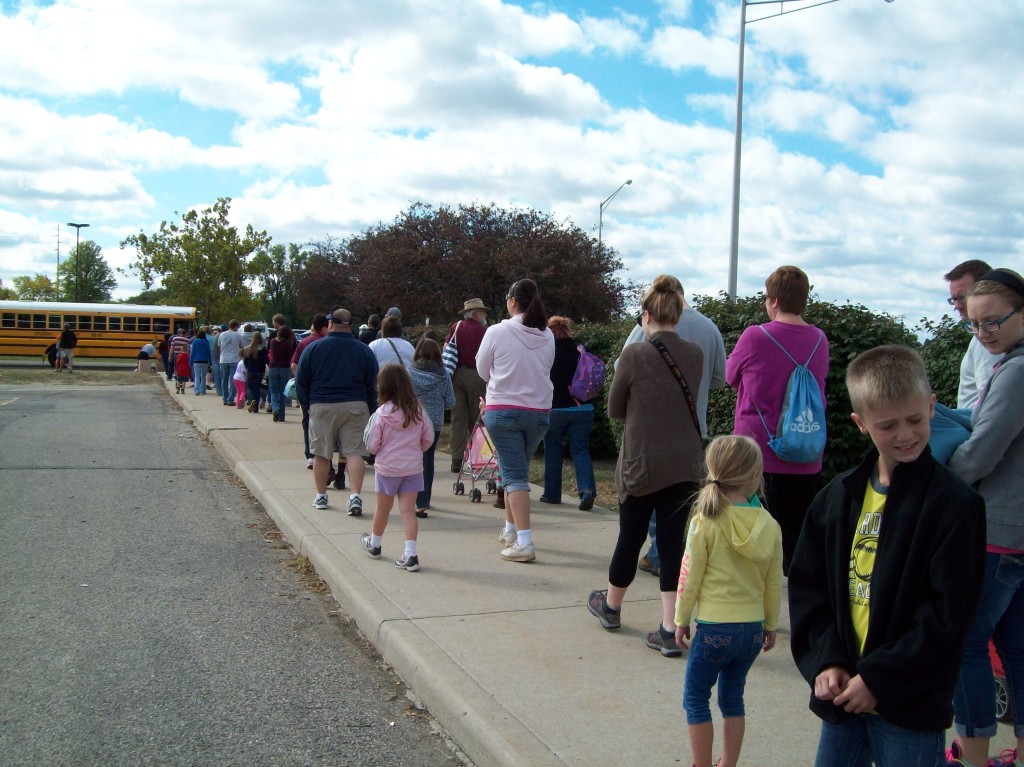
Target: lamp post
x=78, y=229
x=734, y=237
x=600, y=215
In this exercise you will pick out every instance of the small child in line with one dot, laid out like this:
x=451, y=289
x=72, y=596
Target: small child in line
x=732, y=573
x=398, y=433
x=239, y=379
x=885, y=579
x=254, y=357
x=182, y=372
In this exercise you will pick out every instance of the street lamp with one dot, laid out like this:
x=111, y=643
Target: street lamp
x=78, y=229
x=600, y=215
x=734, y=238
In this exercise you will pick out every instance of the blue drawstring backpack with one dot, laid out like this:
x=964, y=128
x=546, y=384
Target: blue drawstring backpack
x=949, y=429
x=800, y=433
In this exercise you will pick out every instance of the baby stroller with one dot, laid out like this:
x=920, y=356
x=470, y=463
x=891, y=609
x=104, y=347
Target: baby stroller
x=479, y=463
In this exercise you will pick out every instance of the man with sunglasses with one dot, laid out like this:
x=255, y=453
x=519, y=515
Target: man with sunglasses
x=976, y=366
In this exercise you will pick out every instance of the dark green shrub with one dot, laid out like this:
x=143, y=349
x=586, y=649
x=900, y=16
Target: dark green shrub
x=942, y=353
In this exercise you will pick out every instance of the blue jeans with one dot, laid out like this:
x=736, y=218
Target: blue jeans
x=227, y=384
x=423, y=496
x=576, y=424
x=722, y=652
x=277, y=378
x=515, y=435
x=652, y=553
x=866, y=738
x=199, y=376
x=1000, y=616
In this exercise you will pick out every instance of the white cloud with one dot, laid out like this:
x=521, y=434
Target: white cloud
x=337, y=115
x=680, y=48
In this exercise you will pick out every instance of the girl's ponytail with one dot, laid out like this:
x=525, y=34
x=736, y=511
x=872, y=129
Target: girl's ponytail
x=731, y=463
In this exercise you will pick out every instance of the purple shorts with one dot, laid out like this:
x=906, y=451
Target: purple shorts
x=394, y=485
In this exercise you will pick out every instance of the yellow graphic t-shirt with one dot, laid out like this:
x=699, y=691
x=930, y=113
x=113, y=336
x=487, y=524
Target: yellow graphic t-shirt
x=862, y=557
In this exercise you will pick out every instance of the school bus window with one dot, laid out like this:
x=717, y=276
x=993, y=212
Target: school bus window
x=85, y=322
x=72, y=320
x=55, y=323
x=129, y=324
x=24, y=321
x=99, y=323
x=114, y=323
x=7, y=320
x=39, y=322
x=161, y=325
x=144, y=324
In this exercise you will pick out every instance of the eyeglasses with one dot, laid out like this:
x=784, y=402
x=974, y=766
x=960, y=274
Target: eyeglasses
x=954, y=300
x=509, y=297
x=989, y=327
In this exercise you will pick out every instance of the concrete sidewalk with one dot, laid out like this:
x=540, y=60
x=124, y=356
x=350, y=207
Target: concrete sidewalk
x=505, y=655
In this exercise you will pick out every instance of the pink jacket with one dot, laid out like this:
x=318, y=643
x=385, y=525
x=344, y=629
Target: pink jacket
x=399, y=449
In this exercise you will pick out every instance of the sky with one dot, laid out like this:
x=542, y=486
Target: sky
x=882, y=141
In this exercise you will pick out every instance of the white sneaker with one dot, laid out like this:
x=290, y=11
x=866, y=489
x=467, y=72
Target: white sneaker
x=355, y=505
x=320, y=502
x=309, y=463
x=517, y=553
x=507, y=537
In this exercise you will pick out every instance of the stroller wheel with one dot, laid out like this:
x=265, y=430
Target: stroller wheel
x=475, y=495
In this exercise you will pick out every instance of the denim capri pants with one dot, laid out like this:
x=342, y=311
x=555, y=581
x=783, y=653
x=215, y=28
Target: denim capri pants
x=722, y=652
x=515, y=435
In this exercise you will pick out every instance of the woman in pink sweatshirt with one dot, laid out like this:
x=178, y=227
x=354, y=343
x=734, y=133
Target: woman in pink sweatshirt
x=515, y=359
x=398, y=433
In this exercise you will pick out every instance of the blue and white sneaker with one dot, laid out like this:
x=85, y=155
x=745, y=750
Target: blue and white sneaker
x=320, y=502
x=373, y=551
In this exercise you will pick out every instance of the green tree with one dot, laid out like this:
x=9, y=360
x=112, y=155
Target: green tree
x=37, y=288
x=85, y=275
x=155, y=297
x=7, y=294
x=201, y=261
x=277, y=270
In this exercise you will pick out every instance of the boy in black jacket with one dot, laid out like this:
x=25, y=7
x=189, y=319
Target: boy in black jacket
x=886, y=572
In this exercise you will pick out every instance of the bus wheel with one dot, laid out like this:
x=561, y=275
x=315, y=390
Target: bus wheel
x=51, y=355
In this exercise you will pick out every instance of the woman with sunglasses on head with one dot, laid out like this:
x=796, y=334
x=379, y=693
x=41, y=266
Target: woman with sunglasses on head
x=514, y=360
x=993, y=459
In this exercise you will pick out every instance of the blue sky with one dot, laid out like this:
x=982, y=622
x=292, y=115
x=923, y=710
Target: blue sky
x=881, y=140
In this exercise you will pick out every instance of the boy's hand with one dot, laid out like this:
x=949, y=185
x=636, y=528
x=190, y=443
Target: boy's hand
x=769, y=640
x=830, y=683
x=681, y=633
x=856, y=698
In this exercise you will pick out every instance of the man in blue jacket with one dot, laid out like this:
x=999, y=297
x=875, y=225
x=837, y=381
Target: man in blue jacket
x=336, y=382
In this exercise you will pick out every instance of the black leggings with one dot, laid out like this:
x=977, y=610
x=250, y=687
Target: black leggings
x=788, y=496
x=672, y=507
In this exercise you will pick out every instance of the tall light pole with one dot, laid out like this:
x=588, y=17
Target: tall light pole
x=78, y=229
x=734, y=237
x=600, y=215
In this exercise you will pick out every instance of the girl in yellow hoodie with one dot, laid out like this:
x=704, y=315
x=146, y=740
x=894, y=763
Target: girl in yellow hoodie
x=732, y=575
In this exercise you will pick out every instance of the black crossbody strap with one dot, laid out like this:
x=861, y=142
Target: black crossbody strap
x=660, y=346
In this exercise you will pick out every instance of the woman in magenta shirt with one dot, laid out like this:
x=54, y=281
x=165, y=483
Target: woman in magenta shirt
x=759, y=371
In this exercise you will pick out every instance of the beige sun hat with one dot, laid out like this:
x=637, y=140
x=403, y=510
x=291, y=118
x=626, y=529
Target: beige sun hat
x=473, y=304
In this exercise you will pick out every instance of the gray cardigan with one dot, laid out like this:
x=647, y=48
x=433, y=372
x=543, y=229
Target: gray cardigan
x=660, y=444
x=993, y=456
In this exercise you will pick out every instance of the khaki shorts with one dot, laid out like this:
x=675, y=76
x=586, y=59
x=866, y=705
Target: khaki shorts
x=337, y=423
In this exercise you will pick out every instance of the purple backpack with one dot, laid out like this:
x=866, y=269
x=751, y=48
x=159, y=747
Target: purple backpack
x=588, y=380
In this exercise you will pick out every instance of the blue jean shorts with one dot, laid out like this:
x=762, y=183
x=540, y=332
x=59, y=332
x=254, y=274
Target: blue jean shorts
x=515, y=435
x=722, y=652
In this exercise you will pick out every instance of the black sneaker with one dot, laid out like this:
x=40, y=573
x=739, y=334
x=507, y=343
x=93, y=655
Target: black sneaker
x=586, y=502
x=412, y=564
x=339, y=480
x=373, y=551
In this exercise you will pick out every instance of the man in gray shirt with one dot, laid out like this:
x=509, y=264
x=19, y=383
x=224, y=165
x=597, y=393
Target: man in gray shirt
x=230, y=343
x=696, y=328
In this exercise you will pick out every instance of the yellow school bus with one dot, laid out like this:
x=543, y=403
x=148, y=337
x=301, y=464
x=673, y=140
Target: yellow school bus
x=31, y=328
